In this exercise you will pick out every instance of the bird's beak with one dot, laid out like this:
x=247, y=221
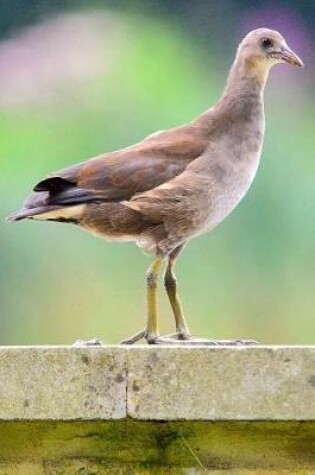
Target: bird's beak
x=290, y=57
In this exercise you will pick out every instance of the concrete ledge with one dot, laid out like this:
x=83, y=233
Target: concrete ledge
x=260, y=383
x=157, y=383
x=161, y=410
x=62, y=383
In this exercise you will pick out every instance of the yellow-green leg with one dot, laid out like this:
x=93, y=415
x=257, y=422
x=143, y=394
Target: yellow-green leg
x=151, y=333
x=182, y=336
x=170, y=283
x=152, y=330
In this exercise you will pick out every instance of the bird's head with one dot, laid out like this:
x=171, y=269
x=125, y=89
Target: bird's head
x=263, y=48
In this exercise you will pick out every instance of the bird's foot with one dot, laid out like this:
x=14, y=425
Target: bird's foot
x=176, y=339
x=182, y=338
x=149, y=336
x=92, y=342
x=181, y=334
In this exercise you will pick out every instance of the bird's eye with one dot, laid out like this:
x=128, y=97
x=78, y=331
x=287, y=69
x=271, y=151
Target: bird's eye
x=266, y=43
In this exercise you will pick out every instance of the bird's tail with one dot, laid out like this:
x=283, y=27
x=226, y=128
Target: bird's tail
x=37, y=207
x=56, y=199
x=25, y=213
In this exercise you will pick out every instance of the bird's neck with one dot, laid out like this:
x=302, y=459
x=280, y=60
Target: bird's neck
x=247, y=77
x=242, y=97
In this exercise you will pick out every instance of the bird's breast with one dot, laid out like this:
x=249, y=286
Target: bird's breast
x=231, y=165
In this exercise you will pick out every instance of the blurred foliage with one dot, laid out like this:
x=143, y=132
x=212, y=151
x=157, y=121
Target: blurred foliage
x=252, y=278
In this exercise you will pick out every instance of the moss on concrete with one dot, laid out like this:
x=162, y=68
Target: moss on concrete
x=156, y=447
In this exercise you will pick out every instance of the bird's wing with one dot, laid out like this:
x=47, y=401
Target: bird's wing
x=120, y=175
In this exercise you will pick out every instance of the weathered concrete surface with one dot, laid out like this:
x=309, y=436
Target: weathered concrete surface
x=62, y=383
x=269, y=383
x=157, y=383
x=157, y=410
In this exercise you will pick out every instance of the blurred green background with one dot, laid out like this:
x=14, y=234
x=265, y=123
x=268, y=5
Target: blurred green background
x=79, y=78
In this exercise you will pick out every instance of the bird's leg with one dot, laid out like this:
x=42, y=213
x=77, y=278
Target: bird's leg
x=170, y=283
x=151, y=333
x=152, y=330
x=182, y=336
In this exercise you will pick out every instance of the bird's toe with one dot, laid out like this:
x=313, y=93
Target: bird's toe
x=134, y=338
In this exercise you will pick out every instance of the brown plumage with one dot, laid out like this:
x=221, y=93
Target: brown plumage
x=175, y=184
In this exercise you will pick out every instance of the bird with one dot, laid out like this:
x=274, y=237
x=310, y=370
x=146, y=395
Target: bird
x=174, y=185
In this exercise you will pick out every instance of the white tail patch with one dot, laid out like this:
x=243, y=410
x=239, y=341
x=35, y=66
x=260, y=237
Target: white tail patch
x=70, y=212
